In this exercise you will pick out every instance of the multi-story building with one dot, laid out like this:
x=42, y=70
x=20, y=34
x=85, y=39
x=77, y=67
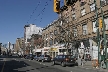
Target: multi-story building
x=28, y=31
x=36, y=43
x=19, y=46
x=78, y=22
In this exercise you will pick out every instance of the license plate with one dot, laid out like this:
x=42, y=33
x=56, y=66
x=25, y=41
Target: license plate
x=45, y=59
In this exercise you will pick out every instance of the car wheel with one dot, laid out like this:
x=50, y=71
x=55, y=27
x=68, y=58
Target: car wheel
x=62, y=64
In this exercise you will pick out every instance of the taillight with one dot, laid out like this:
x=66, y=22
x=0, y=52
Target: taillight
x=74, y=58
x=66, y=59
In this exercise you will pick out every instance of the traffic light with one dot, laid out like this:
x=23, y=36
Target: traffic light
x=100, y=23
x=69, y=2
x=56, y=6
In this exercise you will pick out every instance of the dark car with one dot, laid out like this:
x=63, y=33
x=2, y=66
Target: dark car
x=36, y=57
x=31, y=56
x=44, y=58
x=65, y=60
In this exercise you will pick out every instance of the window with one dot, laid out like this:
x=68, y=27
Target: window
x=67, y=19
x=51, y=34
x=46, y=35
x=104, y=2
x=82, y=2
x=84, y=29
x=94, y=27
x=46, y=43
x=106, y=22
x=92, y=7
x=55, y=41
x=73, y=16
x=75, y=31
x=51, y=42
x=83, y=12
x=55, y=32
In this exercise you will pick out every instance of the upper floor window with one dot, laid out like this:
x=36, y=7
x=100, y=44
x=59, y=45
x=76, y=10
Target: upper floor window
x=83, y=12
x=92, y=7
x=51, y=34
x=82, y=2
x=94, y=26
x=73, y=16
x=85, y=29
x=74, y=31
x=55, y=41
x=51, y=42
x=106, y=22
x=104, y=2
x=55, y=32
x=46, y=35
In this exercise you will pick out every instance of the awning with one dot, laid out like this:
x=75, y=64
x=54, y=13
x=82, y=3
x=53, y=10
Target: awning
x=38, y=50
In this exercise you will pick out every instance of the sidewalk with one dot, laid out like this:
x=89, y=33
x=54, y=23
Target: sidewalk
x=88, y=65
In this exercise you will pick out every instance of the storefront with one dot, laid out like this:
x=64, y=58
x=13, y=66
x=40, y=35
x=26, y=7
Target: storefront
x=45, y=50
x=38, y=51
x=53, y=52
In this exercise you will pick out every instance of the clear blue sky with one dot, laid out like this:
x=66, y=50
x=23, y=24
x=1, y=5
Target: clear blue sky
x=14, y=14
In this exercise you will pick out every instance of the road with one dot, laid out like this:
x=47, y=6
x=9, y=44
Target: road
x=15, y=64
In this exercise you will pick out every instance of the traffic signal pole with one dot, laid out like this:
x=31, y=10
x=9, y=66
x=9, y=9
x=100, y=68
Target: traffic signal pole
x=104, y=35
x=98, y=33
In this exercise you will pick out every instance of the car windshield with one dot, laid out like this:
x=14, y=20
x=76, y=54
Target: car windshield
x=70, y=56
x=47, y=56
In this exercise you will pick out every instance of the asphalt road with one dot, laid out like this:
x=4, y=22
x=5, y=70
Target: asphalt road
x=21, y=65
x=15, y=64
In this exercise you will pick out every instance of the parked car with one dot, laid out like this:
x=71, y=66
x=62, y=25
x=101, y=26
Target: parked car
x=24, y=56
x=64, y=60
x=44, y=58
x=36, y=57
x=31, y=56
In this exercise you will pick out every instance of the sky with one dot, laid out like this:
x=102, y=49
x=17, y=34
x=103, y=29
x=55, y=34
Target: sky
x=14, y=14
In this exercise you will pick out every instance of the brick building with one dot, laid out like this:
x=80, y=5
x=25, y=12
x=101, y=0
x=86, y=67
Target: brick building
x=78, y=25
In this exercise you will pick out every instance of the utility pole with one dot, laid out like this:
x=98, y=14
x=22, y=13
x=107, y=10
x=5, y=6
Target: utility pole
x=104, y=35
x=0, y=48
x=98, y=33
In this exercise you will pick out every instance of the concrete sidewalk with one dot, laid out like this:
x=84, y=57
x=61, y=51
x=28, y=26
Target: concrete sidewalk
x=88, y=65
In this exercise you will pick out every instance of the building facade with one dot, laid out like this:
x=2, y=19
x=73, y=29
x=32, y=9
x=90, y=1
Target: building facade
x=29, y=30
x=77, y=25
x=19, y=46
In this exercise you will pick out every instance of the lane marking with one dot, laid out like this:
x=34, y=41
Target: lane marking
x=3, y=66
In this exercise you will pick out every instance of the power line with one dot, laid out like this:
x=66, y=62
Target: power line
x=34, y=10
